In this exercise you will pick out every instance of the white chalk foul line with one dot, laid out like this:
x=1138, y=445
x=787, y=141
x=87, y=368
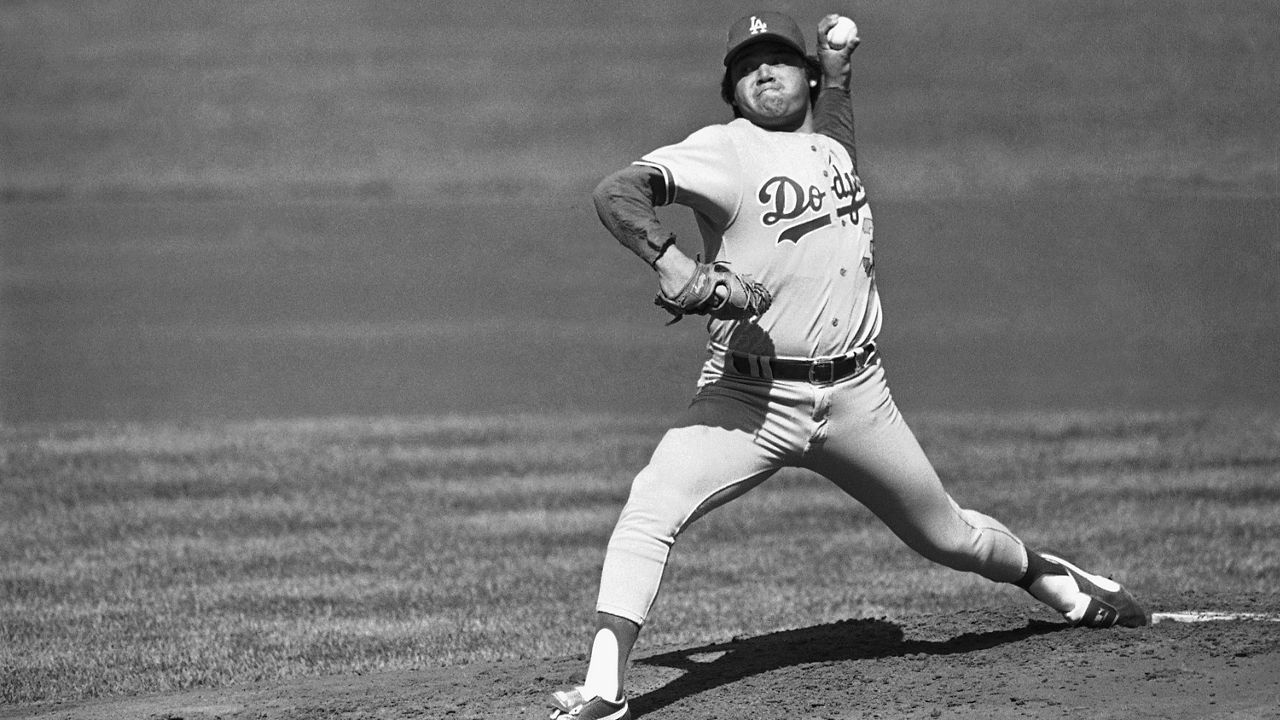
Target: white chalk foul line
x=1196, y=616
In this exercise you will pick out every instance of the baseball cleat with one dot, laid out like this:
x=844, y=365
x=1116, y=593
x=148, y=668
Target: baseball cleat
x=571, y=705
x=1109, y=603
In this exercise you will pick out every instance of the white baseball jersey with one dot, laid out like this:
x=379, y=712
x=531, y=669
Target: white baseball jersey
x=786, y=209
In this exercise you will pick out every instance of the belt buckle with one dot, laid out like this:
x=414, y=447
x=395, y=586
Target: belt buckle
x=829, y=368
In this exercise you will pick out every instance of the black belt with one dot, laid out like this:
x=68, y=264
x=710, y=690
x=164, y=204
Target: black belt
x=818, y=372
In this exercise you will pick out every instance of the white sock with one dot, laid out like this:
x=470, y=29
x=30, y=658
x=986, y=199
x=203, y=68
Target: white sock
x=1061, y=593
x=602, y=669
x=1077, y=612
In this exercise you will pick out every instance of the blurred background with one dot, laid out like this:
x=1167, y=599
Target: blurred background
x=286, y=208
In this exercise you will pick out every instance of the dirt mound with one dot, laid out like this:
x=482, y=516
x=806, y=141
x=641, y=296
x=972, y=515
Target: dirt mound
x=991, y=664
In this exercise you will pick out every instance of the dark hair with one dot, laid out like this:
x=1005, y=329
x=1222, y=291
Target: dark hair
x=812, y=70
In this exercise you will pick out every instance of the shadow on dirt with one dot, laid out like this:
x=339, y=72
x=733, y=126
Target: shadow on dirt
x=711, y=666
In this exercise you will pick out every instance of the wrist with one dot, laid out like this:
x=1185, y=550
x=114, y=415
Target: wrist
x=836, y=81
x=661, y=245
x=674, y=269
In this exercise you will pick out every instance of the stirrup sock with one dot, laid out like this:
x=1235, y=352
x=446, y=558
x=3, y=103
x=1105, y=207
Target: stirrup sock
x=1051, y=584
x=602, y=669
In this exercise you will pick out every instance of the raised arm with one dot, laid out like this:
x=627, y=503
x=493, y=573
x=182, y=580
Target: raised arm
x=833, y=111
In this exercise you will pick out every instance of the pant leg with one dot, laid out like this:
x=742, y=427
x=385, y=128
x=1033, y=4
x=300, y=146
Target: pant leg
x=867, y=449
x=719, y=451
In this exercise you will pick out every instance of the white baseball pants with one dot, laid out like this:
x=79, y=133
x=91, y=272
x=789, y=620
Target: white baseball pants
x=739, y=431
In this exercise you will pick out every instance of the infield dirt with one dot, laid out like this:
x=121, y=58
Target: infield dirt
x=995, y=664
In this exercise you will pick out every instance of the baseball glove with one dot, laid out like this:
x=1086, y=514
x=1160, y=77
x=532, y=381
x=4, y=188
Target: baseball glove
x=746, y=298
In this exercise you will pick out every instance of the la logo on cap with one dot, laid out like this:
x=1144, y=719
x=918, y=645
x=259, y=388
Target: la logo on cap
x=758, y=26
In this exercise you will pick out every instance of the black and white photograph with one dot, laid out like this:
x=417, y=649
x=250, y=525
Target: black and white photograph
x=612, y=360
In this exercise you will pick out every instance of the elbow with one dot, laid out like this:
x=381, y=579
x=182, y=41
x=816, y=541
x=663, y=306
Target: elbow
x=628, y=187
x=605, y=190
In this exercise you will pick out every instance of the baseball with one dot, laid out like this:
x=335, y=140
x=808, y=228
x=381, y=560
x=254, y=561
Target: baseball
x=844, y=32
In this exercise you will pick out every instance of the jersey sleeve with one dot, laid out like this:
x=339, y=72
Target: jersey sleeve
x=701, y=172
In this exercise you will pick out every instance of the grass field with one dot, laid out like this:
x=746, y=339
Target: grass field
x=469, y=99
x=143, y=558
x=295, y=209
x=292, y=209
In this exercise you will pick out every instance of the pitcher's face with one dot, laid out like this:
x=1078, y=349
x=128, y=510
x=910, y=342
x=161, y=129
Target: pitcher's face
x=771, y=87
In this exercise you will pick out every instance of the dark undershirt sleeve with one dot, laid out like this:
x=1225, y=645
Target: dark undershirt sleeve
x=625, y=202
x=833, y=117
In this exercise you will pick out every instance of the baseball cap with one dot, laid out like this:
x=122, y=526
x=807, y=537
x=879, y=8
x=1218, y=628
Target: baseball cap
x=761, y=26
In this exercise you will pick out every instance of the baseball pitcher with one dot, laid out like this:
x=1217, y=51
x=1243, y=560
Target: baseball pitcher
x=786, y=282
